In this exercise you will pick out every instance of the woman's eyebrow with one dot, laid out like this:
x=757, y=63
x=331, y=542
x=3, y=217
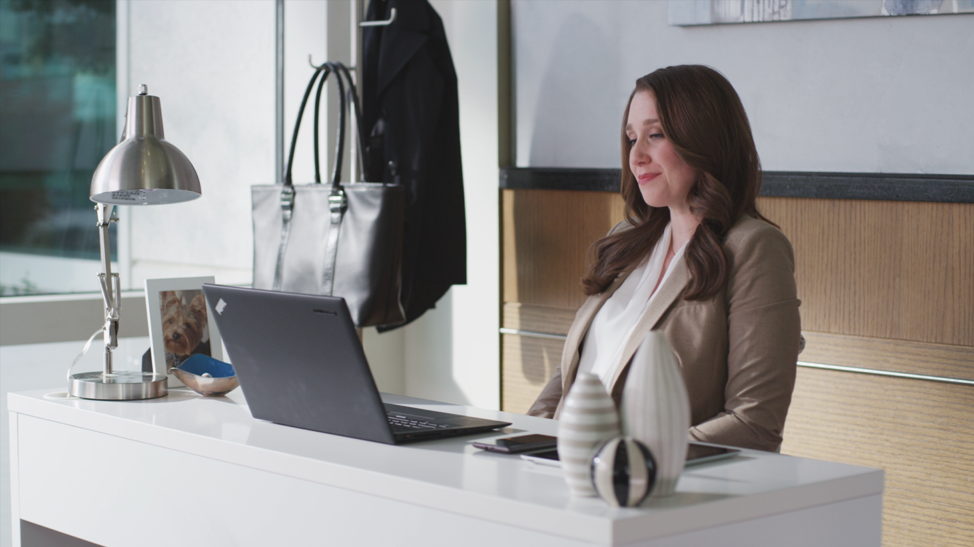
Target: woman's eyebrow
x=648, y=121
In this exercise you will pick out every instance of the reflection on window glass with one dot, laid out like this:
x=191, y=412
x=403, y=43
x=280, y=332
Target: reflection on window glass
x=57, y=120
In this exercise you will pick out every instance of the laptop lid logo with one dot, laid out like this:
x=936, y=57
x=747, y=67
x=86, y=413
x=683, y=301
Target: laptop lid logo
x=220, y=306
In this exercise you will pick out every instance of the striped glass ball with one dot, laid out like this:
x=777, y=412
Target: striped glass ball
x=623, y=472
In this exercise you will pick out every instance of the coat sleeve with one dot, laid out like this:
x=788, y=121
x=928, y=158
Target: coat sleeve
x=764, y=332
x=547, y=403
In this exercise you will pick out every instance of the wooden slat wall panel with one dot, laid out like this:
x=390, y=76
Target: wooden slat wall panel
x=891, y=355
x=537, y=318
x=919, y=432
x=528, y=364
x=547, y=234
x=882, y=269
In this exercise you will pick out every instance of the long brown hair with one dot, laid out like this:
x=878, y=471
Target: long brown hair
x=704, y=120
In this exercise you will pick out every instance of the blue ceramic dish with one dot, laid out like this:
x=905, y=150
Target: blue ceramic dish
x=207, y=376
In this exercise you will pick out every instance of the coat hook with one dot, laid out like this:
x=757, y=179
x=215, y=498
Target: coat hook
x=387, y=22
x=316, y=67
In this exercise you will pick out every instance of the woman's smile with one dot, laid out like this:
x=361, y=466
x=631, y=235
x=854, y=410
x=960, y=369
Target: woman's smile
x=646, y=178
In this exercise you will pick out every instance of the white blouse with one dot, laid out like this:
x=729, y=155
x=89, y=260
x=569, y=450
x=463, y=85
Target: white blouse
x=603, y=343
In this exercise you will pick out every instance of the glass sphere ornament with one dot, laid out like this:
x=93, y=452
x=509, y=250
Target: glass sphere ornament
x=623, y=472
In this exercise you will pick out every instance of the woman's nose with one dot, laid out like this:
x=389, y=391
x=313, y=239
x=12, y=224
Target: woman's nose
x=639, y=153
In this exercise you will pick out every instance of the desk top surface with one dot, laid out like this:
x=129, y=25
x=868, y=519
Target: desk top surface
x=452, y=475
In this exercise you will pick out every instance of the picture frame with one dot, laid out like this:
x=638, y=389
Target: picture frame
x=180, y=324
x=720, y=12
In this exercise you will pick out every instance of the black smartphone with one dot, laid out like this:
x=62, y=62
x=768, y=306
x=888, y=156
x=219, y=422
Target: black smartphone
x=519, y=444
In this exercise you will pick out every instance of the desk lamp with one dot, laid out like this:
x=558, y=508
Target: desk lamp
x=143, y=169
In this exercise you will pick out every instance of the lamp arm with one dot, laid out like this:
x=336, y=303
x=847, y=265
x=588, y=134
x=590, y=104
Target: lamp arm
x=110, y=285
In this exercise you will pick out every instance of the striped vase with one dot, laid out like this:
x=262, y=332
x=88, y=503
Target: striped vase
x=656, y=409
x=588, y=418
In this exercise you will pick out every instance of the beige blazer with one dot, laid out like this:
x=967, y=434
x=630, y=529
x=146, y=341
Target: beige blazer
x=737, y=350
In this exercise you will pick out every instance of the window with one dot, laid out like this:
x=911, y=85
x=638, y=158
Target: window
x=57, y=120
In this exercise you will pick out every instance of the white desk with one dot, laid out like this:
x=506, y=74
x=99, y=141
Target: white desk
x=187, y=470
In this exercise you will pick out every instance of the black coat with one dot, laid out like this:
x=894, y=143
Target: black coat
x=411, y=118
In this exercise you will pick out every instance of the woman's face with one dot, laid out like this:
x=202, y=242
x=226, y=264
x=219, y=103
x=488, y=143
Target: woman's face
x=664, y=178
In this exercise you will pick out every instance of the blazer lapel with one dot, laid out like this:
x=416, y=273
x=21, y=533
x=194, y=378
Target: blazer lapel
x=573, y=342
x=666, y=294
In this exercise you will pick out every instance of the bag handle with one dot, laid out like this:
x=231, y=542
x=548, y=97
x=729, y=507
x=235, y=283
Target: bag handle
x=297, y=124
x=340, y=145
x=348, y=102
x=340, y=71
x=357, y=113
x=336, y=201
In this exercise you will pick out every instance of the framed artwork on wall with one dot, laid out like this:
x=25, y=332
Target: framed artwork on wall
x=179, y=324
x=719, y=12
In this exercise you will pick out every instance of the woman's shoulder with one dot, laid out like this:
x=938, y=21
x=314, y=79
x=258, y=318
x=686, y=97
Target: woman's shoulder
x=756, y=237
x=748, y=229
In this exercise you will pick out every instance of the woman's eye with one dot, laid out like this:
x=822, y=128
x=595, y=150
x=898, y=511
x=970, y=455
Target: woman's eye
x=632, y=142
x=656, y=136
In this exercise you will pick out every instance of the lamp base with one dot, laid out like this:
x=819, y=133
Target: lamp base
x=119, y=386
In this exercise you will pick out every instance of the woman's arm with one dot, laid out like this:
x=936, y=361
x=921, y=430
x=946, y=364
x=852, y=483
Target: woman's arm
x=547, y=402
x=764, y=330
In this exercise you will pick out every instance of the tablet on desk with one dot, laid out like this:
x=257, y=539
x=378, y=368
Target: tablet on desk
x=696, y=455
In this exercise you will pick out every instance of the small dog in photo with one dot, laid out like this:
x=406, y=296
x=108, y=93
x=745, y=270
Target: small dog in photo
x=184, y=325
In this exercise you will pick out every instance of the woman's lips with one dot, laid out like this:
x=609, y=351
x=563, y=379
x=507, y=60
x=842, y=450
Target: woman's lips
x=643, y=178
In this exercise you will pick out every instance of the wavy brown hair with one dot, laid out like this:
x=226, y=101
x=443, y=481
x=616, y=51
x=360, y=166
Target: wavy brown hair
x=704, y=120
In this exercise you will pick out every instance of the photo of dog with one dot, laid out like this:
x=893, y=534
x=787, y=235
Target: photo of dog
x=184, y=325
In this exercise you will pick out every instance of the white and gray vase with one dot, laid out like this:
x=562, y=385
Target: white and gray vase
x=588, y=418
x=656, y=409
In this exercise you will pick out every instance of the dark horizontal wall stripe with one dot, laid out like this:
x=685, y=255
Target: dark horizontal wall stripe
x=878, y=186
x=559, y=178
x=794, y=184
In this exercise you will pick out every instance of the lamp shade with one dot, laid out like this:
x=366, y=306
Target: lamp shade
x=144, y=169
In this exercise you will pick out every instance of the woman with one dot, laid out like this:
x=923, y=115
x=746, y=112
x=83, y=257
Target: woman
x=695, y=259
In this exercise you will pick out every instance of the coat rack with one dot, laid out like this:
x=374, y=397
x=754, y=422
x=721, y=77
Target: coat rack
x=385, y=23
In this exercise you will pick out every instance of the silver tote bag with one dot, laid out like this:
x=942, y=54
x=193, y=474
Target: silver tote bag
x=340, y=239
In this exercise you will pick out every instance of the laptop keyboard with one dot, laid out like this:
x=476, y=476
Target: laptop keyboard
x=412, y=422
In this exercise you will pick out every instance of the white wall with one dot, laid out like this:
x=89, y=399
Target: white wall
x=886, y=94
x=212, y=65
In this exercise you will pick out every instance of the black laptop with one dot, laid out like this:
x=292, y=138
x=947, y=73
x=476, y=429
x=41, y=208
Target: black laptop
x=300, y=363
